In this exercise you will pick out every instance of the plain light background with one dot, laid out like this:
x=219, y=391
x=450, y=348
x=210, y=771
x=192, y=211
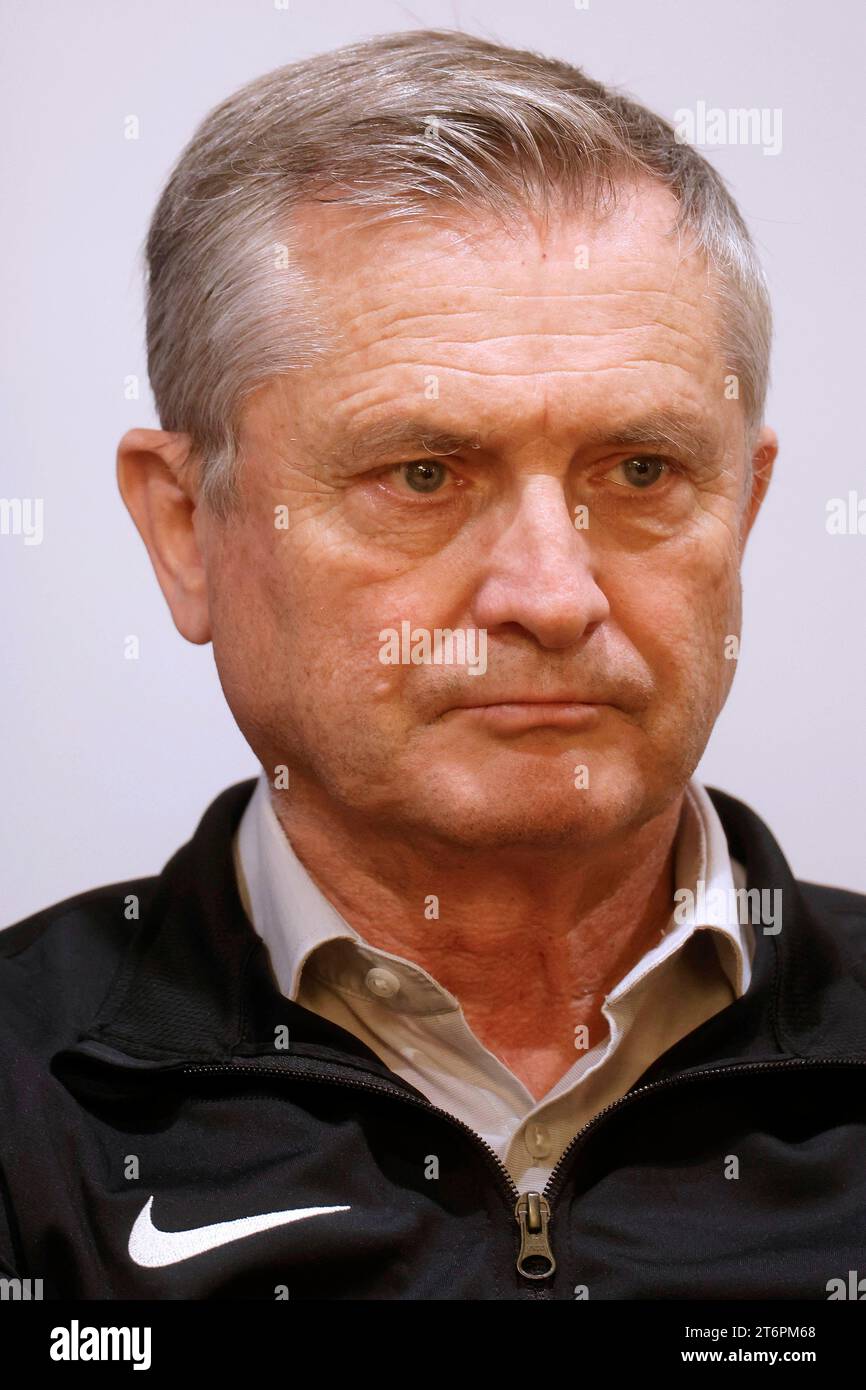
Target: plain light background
x=109, y=763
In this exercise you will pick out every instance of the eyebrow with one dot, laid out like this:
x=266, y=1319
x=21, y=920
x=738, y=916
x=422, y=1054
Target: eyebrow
x=684, y=432
x=415, y=434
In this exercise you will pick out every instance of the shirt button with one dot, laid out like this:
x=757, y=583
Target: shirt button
x=537, y=1140
x=381, y=982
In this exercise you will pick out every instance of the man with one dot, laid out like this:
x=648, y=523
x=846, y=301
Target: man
x=476, y=993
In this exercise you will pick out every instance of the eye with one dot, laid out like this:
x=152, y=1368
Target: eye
x=641, y=471
x=423, y=475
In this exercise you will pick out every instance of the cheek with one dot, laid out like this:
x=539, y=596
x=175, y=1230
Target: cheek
x=251, y=602
x=677, y=608
x=714, y=589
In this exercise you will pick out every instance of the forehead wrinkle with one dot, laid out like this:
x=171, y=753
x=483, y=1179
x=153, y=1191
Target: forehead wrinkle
x=398, y=348
x=531, y=374
x=350, y=437
x=402, y=320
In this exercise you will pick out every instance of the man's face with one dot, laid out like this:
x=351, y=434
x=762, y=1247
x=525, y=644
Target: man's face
x=599, y=577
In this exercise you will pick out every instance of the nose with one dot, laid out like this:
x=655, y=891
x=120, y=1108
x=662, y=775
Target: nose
x=540, y=571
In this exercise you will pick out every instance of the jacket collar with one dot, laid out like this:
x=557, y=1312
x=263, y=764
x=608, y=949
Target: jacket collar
x=195, y=983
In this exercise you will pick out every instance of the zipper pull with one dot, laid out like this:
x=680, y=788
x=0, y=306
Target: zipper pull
x=535, y=1260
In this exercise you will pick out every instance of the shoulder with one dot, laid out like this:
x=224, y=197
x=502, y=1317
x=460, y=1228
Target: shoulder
x=841, y=908
x=57, y=964
x=95, y=906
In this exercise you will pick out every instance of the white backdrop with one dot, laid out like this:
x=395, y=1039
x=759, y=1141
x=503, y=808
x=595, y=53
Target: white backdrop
x=108, y=763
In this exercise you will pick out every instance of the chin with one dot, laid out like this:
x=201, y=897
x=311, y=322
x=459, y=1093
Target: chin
x=544, y=816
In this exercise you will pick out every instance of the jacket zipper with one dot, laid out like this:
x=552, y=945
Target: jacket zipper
x=532, y=1210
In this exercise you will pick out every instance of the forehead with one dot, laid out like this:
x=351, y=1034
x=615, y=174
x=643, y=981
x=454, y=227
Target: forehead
x=631, y=248
x=510, y=320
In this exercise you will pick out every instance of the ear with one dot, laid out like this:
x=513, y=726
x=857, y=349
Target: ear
x=763, y=457
x=153, y=474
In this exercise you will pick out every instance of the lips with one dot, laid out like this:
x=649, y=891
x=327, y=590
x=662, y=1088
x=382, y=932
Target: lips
x=532, y=699
x=516, y=716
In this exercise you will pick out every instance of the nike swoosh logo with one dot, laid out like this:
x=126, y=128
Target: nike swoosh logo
x=152, y=1248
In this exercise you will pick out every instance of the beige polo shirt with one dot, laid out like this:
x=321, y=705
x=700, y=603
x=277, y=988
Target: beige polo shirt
x=418, y=1028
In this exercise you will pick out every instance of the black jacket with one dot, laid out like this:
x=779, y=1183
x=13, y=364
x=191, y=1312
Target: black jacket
x=145, y=1084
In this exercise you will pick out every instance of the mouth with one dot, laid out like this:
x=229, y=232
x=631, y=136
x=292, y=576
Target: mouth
x=517, y=715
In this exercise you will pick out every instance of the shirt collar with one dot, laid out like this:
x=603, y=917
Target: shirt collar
x=707, y=881
x=285, y=906
x=296, y=921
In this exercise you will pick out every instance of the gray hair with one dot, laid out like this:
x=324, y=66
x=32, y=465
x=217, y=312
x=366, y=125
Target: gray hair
x=403, y=125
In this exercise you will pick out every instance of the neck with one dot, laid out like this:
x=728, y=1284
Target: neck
x=530, y=942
